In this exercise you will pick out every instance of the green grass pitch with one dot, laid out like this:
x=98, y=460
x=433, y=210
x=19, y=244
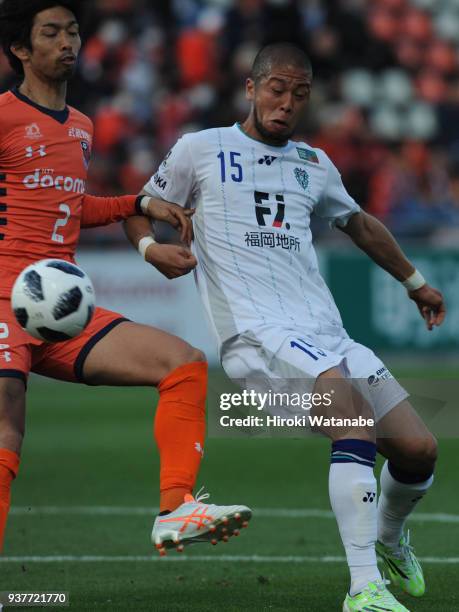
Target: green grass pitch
x=93, y=448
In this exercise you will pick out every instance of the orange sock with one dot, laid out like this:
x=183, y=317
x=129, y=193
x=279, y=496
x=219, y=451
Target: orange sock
x=180, y=428
x=9, y=466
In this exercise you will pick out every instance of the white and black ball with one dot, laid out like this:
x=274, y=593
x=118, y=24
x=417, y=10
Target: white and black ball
x=53, y=300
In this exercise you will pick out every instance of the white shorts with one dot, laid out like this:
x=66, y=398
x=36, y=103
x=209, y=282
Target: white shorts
x=269, y=359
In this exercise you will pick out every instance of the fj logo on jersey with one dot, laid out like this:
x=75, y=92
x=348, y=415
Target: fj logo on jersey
x=302, y=177
x=267, y=159
x=307, y=155
x=86, y=153
x=33, y=132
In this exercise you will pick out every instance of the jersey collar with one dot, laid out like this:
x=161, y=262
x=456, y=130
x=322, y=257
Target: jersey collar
x=60, y=116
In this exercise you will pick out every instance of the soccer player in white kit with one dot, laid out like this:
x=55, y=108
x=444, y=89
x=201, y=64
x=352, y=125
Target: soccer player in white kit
x=254, y=191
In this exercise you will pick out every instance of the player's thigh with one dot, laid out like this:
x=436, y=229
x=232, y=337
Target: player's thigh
x=65, y=360
x=277, y=360
x=293, y=366
x=372, y=378
x=114, y=351
x=15, y=360
x=134, y=354
x=16, y=345
x=405, y=440
x=277, y=354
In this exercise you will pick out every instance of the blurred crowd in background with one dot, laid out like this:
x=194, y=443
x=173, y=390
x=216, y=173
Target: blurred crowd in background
x=385, y=103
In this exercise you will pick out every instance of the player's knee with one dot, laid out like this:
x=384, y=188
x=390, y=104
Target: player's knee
x=348, y=415
x=12, y=409
x=188, y=354
x=422, y=453
x=196, y=356
x=429, y=452
x=12, y=396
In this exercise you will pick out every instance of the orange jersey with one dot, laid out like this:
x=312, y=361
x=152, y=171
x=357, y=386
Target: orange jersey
x=44, y=159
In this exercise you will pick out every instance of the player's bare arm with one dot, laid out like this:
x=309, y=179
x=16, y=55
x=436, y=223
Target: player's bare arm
x=171, y=260
x=377, y=242
x=173, y=214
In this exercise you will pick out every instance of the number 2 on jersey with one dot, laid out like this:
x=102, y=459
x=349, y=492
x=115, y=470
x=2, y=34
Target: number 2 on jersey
x=4, y=333
x=65, y=209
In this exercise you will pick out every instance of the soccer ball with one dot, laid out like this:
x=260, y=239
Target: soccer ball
x=53, y=300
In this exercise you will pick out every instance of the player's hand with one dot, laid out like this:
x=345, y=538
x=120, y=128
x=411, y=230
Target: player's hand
x=175, y=215
x=430, y=304
x=171, y=260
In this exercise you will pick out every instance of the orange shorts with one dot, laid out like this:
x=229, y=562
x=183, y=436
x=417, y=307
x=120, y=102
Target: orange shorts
x=21, y=354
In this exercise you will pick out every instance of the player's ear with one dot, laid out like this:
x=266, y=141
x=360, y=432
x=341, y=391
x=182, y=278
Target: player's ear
x=250, y=89
x=21, y=52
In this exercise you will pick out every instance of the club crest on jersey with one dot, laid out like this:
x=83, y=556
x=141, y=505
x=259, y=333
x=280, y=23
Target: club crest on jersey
x=302, y=177
x=307, y=155
x=33, y=132
x=86, y=153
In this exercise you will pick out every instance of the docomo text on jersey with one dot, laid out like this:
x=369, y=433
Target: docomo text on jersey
x=61, y=183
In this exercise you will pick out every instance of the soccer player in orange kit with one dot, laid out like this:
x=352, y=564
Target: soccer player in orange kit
x=45, y=149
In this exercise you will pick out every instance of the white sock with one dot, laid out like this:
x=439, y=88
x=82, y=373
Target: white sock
x=396, y=502
x=353, y=496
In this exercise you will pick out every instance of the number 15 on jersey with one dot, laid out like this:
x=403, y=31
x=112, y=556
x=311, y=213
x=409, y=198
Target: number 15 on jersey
x=229, y=164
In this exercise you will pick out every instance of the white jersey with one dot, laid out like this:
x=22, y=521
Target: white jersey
x=257, y=266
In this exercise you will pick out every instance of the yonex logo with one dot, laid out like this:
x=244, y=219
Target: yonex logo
x=369, y=497
x=61, y=183
x=267, y=159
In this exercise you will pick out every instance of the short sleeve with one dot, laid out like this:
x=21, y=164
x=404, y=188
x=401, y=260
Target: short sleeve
x=335, y=204
x=174, y=180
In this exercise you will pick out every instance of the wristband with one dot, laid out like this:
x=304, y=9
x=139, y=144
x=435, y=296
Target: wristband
x=144, y=204
x=141, y=204
x=143, y=245
x=414, y=282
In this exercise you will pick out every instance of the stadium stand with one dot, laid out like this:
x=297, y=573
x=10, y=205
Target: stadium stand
x=384, y=105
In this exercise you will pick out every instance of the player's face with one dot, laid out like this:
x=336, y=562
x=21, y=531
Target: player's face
x=278, y=101
x=55, y=42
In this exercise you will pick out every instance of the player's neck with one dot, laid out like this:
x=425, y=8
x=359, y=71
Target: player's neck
x=51, y=95
x=249, y=128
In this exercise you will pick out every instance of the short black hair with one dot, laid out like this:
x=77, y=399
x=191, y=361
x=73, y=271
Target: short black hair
x=279, y=54
x=16, y=21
